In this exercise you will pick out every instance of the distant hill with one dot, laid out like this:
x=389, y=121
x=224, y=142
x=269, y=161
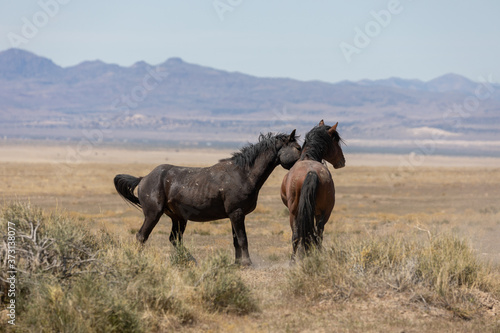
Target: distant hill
x=182, y=102
x=445, y=83
x=17, y=64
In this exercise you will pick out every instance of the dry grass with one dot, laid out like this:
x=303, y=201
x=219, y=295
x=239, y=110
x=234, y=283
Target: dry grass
x=380, y=271
x=122, y=285
x=442, y=272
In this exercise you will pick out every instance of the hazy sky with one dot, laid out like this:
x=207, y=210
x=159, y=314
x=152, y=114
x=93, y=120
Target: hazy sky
x=307, y=40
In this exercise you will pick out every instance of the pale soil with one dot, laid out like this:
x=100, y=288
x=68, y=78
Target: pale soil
x=84, y=152
x=376, y=194
x=76, y=153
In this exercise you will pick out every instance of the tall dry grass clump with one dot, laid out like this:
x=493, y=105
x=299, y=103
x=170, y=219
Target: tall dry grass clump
x=443, y=271
x=72, y=280
x=222, y=288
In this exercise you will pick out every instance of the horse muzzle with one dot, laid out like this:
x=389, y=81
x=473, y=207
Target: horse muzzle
x=339, y=165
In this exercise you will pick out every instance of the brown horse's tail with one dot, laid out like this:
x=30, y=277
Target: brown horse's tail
x=305, y=215
x=125, y=186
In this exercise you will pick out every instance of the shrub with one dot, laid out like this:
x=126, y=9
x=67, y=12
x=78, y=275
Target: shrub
x=150, y=284
x=51, y=243
x=443, y=269
x=71, y=280
x=48, y=247
x=222, y=289
x=74, y=281
x=89, y=305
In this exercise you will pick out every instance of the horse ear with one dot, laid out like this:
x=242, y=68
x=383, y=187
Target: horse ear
x=321, y=123
x=333, y=129
x=292, y=136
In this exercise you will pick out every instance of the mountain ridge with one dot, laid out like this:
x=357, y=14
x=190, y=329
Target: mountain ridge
x=176, y=100
x=23, y=57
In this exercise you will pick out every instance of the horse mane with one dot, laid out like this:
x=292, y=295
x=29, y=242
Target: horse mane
x=248, y=154
x=318, y=141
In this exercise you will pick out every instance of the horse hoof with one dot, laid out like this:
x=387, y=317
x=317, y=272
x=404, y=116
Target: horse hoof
x=243, y=262
x=140, y=238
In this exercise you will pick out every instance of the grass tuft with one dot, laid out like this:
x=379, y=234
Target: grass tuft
x=89, y=305
x=181, y=257
x=222, y=289
x=443, y=270
x=71, y=280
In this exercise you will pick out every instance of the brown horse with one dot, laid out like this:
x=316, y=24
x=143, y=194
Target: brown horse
x=307, y=189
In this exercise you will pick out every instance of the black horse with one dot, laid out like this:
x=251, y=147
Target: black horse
x=228, y=189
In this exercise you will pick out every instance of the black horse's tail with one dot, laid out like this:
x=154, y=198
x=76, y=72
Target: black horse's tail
x=125, y=186
x=305, y=215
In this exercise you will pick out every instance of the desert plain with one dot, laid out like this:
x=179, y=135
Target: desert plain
x=411, y=196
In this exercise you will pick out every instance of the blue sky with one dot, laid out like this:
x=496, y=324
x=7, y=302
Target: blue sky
x=307, y=40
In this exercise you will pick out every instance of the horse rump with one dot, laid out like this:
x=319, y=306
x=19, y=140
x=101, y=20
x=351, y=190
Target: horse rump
x=125, y=186
x=306, y=210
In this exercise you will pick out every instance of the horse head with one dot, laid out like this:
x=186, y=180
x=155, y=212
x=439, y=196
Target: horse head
x=334, y=154
x=288, y=151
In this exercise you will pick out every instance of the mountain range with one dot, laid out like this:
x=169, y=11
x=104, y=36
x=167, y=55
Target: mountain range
x=186, y=103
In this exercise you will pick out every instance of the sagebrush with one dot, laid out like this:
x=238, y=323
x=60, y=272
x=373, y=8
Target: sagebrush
x=72, y=280
x=442, y=270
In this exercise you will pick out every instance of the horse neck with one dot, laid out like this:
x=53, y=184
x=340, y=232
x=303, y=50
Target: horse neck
x=311, y=154
x=262, y=168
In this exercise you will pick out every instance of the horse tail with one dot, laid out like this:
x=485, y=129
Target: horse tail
x=125, y=186
x=307, y=205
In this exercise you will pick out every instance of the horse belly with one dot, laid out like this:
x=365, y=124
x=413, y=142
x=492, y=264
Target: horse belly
x=206, y=216
x=205, y=213
x=197, y=205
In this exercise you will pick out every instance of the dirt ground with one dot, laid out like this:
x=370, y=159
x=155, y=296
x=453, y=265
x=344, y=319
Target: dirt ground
x=375, y=195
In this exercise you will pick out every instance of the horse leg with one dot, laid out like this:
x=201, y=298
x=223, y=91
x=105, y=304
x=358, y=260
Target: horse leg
x=151, y=218
x=320, y=226
x=295, y=237
x=152, y=201
x=237, y=247
x=178, y=227
x=238, y=224
x=321, y=220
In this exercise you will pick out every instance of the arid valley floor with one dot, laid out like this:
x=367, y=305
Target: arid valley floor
x=376, y=195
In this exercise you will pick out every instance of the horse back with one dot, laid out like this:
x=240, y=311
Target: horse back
x=293, y=181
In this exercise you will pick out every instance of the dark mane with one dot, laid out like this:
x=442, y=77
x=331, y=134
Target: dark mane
x=318, y=141
x=249, y=153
